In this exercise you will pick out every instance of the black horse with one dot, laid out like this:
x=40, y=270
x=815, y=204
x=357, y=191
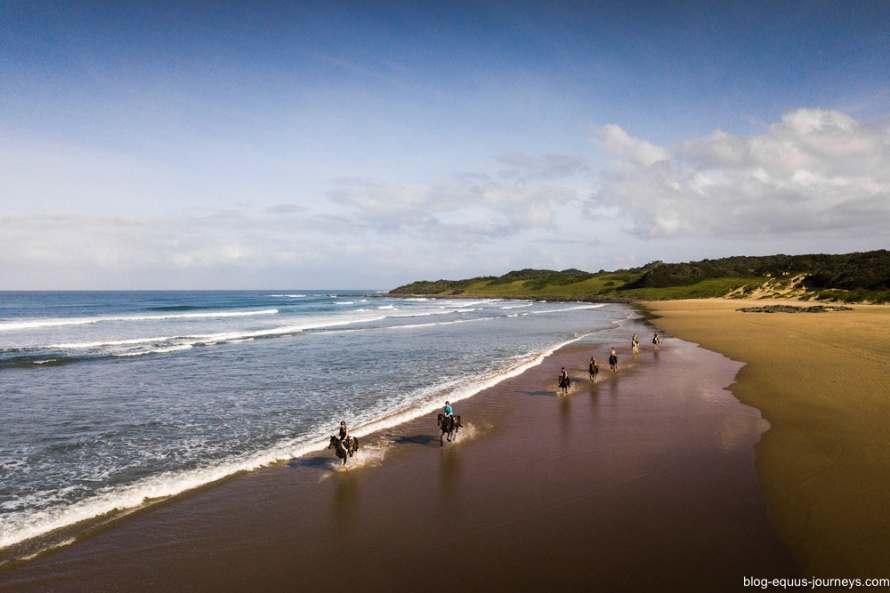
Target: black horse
x=448, y=425
x=613, y=362
x=565, y=383
x=593, y=370
x=342, y=450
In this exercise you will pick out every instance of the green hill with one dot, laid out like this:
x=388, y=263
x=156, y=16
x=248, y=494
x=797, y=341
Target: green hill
x=852, y=277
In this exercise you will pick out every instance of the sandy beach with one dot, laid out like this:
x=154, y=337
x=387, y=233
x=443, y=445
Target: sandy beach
x=821, y=380
x=643, y=480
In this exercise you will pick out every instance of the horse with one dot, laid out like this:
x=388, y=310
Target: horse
x=450, y=425
x=593, y=370
x=342, y=451
x=565, y=383
x=613, y=362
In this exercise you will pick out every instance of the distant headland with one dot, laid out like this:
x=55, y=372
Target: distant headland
x=849, y=278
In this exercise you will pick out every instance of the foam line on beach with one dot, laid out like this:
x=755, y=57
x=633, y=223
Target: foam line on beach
x=575, y=308
x=458, y=390
x=209, y=339
x=6, y=326
x=20, y=528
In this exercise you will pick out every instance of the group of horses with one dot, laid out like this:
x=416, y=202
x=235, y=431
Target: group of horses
x=593, y=370
x=449, y=425
x=565, y=382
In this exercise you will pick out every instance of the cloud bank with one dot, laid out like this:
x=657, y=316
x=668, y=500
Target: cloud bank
x=368, y=231
x=816, y=171
x=815, y=181
x=524, y=194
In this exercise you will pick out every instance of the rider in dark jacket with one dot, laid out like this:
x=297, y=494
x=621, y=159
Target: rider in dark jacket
x=343, y=435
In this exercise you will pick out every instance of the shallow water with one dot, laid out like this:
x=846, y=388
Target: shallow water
x=109, y=398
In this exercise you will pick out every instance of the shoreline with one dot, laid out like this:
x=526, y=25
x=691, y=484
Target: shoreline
x=821, y=381
x=629, y=482
x=68, y=533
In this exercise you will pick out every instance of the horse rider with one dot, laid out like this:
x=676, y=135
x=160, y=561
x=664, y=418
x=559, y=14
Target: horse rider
x=593, y=368
x=655, y=340
x=613, y=360
x=635, y=343
x=343, y=435
x=563, y=377
x=448, y=410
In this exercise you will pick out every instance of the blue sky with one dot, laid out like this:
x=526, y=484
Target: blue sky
x=174, y=145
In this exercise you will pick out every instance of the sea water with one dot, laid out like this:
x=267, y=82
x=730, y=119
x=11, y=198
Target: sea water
x=111, y=398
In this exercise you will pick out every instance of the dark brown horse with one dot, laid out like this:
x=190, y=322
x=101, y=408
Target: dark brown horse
x=448, y=425
x=342, y=450
x=565, y=383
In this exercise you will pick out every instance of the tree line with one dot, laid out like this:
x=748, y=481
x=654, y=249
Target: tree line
x=861, y=276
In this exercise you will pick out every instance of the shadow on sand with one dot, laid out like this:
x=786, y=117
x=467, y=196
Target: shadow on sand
x=538, y=393
x=419, y=439
x=316, y=462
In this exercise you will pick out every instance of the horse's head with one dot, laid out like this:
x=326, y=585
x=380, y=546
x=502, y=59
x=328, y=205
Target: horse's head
x=333, y=443
x=439, y=419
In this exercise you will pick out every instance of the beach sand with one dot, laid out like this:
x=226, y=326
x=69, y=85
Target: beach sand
x=822, y=380
x=644, y=480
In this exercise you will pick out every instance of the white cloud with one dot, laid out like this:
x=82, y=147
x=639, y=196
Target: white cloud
x=367, y=229
x=522, y=196
x=125, y=242
x=525, y=168
x=616, y=140
x=815, y=171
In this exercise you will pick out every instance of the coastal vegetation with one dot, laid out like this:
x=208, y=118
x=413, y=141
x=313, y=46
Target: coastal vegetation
x=852, y=277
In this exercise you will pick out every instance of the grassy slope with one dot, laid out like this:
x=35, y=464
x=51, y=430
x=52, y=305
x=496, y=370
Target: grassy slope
x=603, y=286
x=857, y=277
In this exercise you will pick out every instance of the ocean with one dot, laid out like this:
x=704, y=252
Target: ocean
x=108, y=399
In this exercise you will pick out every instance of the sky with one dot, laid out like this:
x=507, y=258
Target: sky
x=366, y=145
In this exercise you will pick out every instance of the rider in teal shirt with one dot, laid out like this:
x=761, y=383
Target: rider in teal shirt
x=448, y=410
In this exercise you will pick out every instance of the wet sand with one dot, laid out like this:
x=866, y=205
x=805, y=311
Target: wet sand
x=822, y=380
x=644, y=480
